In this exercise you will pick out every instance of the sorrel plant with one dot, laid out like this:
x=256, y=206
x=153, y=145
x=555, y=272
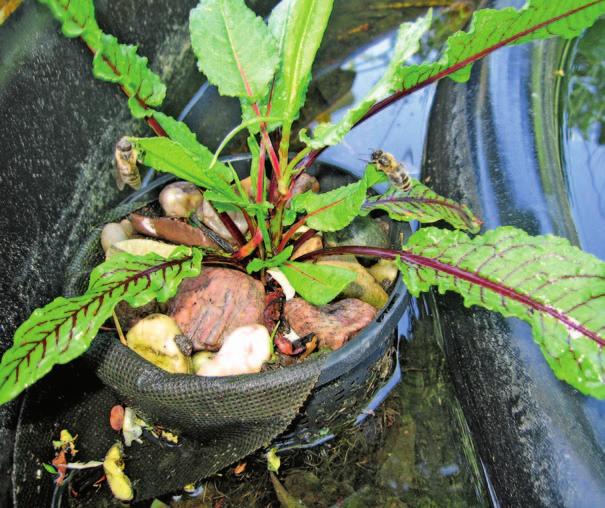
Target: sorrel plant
x=555, y=287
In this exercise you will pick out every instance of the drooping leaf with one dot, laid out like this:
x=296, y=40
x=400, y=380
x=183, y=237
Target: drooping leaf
x=63, y=329
x=170, y=156
x=318, y=284
x=180, y=133
x=76, y=16
x=234, y=48
x=119, y=63
x=424, y=205
x=408, y=38
x=555, y=287
x=491, y=30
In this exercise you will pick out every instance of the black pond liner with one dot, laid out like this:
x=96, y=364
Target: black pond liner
x=494, y=145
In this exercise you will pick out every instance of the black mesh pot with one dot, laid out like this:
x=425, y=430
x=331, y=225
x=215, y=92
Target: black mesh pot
x=225, y=419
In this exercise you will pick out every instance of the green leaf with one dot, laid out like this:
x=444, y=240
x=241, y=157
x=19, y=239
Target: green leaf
x=119, y=63
x=234, y=48
x=298, y=26
x=333, y=210
x=273, y=461
x=318, y=284
x=408, y=39
x=63, y=329
x=258, y=264
x=491, y=29
x=254, y=149
x=424, y=205
x=76, y=16
x=180, y=133
x=50, y=468
x=170, y=156
x=555, y=287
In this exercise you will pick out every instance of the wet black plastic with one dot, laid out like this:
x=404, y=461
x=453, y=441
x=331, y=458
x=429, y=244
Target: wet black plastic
x=494, y=145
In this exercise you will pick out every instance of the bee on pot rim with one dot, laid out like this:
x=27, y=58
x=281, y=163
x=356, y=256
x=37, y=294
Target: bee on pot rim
x=394, y=170
x=126, y=165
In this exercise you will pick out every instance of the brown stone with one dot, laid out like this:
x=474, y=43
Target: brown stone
x=333, y=324
x=210, y=306
x=171, y=230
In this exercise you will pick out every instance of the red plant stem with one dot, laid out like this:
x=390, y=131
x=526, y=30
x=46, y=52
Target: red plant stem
x=293, y=229
x=267, y=140
x=303, y=238
x=261, y=172
x=286, y=238
x=232, y=227
x=250, y=222
x=249, y=248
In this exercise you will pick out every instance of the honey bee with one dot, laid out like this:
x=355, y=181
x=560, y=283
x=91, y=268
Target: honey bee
x=394, y=170
x=126, y=165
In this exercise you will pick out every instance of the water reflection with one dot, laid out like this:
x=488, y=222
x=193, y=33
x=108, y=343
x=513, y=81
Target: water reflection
x=584, y=138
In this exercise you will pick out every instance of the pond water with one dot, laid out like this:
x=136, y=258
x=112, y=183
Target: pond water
x=583, y=136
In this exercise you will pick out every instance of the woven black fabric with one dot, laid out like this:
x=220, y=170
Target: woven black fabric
x=233, y=415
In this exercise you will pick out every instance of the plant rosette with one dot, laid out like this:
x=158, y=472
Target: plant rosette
x=555, y=287
x=358, y=369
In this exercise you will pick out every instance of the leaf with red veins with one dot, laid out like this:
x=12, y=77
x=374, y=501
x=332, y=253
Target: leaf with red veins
x=64, y=328
x=555, y=287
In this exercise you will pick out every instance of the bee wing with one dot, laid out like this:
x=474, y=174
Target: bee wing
x=411, y=170
x=119, y=179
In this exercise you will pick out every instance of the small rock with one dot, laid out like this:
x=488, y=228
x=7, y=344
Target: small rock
x=205, y=212
x=184, y=344
x=113, y=233
x=304, y=183
x=385, y=272
x=153, y=339
x=216, y=302
x=243, y=351
x=334, y=324
x=200, y=358
x=179, y=199
x=249, y=190
x=363, y=231
x=364, y=287
x=129, y=316
x=313, y=243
